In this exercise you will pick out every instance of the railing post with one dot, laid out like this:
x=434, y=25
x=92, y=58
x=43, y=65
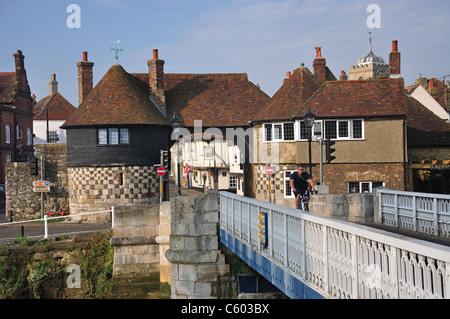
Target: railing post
x=354, y=253
x=414, y=211
x=45, y=227
x=325, y=257
x=397, y=220
x=436, y=217
x=285, y=240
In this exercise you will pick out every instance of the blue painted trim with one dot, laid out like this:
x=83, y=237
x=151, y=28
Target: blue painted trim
x=284, y=281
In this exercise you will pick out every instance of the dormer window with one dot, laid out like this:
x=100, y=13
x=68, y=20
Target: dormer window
x=113, y=136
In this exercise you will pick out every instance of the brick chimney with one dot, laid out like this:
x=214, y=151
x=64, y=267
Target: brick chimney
x=394, y=61
x=85, y=77
x=343, y=76
x=53, y=85
x=156, y=80
x=319, y=66
x=18, y=58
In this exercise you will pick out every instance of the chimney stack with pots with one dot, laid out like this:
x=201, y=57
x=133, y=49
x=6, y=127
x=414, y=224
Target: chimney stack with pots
x=394, y=61
x=319, y=66
x=156, y=80
x=53, y=85
x=85, y=78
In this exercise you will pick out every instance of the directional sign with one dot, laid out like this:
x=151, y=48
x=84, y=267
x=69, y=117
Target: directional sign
x=161, y=171
x=269, y=170
x=41, y=183
x=41, y=189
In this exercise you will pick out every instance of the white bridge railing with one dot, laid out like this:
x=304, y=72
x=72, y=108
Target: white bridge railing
x=421, y=212
x=338, y=258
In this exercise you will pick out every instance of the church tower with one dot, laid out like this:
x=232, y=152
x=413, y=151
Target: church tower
x=369, y=66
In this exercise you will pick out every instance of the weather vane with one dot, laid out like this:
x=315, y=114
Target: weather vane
x=116, y=50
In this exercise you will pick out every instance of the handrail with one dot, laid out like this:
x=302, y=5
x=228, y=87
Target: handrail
x=47, y=218
x=339, y=258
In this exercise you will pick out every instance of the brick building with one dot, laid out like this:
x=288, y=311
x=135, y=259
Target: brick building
x=16, y=114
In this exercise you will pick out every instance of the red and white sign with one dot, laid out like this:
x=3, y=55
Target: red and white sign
x=161, y=171
x=269, y=170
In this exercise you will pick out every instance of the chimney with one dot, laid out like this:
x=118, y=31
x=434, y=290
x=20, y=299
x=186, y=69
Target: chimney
x=319, y=66
x=432, y=89
x=394, y=61
x=156, y=80
x=343, y=76
x=288, y=75
x=85, y=77
x=53, y=85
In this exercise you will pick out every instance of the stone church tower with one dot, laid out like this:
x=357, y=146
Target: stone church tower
x=370, y=66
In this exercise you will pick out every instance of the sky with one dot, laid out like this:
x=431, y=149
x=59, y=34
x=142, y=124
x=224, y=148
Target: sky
x=263, y=38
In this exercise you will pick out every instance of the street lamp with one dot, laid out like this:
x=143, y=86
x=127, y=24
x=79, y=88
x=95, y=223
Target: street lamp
x=308, y=119
x=176, y=122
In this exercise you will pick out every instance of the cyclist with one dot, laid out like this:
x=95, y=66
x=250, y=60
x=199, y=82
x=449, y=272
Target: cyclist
x=299, y=182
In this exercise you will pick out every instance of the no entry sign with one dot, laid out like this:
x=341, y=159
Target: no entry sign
x=161, y=171
x=268, y=170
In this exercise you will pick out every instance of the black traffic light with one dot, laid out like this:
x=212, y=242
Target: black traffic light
x=329, y=150
x=33, y=166
x=165, y=160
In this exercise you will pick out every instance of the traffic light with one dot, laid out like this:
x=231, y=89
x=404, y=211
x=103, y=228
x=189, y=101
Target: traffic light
x=165, y=160
x=329, y=150
x=33, y=166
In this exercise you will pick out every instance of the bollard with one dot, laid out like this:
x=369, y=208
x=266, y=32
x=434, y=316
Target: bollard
x=22, y=231
x=9, y=216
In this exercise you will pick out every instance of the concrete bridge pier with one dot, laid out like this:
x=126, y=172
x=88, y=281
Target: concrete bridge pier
x=197, y=265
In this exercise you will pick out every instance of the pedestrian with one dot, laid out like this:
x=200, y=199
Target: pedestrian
x=299, y=182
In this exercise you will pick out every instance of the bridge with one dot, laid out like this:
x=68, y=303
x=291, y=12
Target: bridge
x=310, y=256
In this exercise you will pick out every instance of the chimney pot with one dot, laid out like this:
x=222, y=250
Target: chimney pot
x=85, y=57
x=431, y=83
x=395, y=45
x=155, y=54
x=318, y=52
x=288, y=74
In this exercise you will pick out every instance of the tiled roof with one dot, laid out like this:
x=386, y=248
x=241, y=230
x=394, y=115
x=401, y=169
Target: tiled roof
x=116, y=100
x=359, y=98
x=7, y=84
x=219, y=100
x=287, y=101
x=424, y=127
x=58, y=108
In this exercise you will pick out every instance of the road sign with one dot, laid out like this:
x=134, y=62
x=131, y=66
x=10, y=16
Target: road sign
x=161, y=171
x=269, y=170
x=41, y=183
x=41, y=189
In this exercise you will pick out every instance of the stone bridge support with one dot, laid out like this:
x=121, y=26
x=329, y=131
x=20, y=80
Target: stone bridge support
x=198, y=268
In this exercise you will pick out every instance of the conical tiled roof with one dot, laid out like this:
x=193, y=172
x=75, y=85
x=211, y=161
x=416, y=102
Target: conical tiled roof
x=116, y=100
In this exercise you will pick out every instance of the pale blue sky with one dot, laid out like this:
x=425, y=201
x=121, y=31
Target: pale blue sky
x=263, y=38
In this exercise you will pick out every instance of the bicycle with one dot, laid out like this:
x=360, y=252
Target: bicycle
x=304, y=201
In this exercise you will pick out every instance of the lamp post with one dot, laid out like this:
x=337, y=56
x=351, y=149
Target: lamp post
x=176, y=122
x=308, y=118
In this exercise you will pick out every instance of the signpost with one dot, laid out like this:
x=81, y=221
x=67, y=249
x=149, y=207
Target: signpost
x=161, y=171
x=269, y=171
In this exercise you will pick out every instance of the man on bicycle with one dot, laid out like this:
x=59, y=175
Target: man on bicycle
x=299, y=181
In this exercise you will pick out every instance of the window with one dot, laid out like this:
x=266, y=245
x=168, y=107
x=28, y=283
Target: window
x=287, y=186
x=316, y=129
x=233, y=181
x=53, y=137
x=29, y=136
x=7, y=134
x=18, y=132
x=8, y=158
x=363, y=187
x=113, y=136
x=279, y=132
x=344, y=129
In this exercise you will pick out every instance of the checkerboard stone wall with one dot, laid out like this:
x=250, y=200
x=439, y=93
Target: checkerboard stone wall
x=98, y=188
